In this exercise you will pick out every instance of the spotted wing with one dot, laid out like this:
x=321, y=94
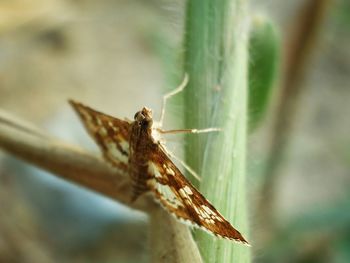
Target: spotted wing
x=183, y=200
x=111, y=134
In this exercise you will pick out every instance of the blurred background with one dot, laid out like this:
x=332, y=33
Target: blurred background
x=120, y=55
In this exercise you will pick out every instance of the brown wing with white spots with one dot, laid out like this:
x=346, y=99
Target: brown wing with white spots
x=183, y=200
x=111, y=134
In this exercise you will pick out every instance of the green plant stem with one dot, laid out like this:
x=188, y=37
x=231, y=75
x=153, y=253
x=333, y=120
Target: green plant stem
x=216, y=61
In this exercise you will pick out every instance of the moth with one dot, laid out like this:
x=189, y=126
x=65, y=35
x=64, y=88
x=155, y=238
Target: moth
x=134, y=147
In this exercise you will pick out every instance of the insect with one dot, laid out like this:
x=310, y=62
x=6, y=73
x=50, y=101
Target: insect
x=134, y=147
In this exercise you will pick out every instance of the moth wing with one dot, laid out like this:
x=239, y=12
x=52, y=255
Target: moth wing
x=182, y=199
x=111, y=134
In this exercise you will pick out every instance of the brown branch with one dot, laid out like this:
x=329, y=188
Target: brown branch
x=169, y=237
x=68, y=162
x=173, y=232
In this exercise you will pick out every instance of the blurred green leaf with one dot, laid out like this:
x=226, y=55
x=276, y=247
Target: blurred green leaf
x=342, y=15
x=263, y=64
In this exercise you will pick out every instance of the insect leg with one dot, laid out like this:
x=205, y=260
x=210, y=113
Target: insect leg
x=185, y=165
x=189, y=130
x=170, y=94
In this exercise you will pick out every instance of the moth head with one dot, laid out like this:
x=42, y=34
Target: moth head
x=144, y=118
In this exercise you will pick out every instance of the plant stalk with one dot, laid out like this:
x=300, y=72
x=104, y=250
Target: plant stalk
x=216, y=61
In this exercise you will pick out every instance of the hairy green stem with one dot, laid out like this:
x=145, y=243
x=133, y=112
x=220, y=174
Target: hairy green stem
x=216, y=61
